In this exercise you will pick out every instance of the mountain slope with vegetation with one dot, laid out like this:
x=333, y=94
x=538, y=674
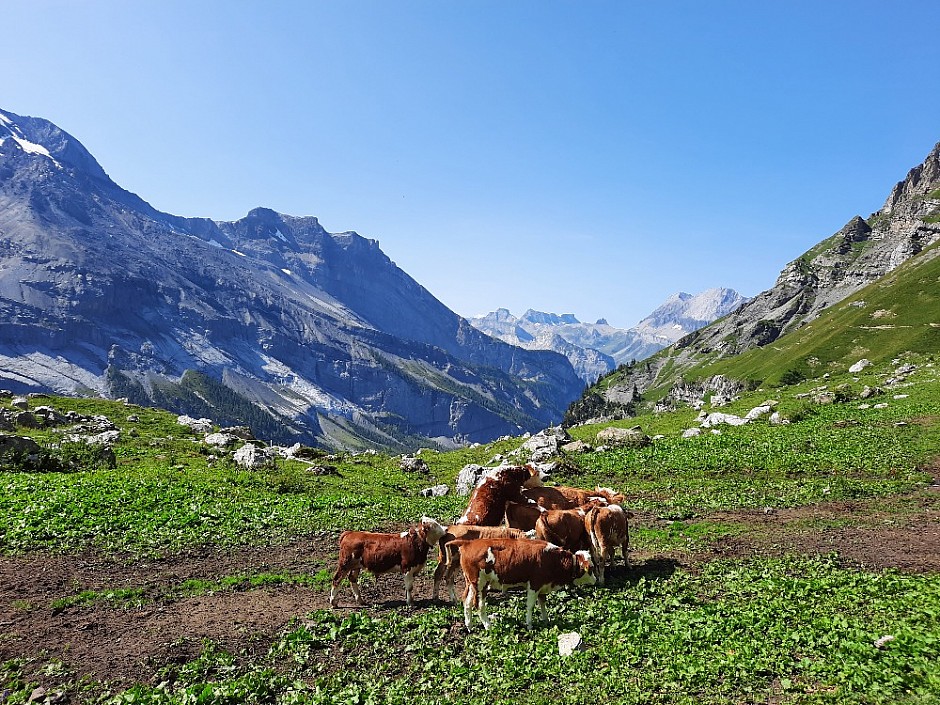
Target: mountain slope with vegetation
x=894, y=247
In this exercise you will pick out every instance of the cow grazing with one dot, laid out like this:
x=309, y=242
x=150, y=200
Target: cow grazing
x=565, y=527
x=523, y=515
x=608, y=529
x=488, y=502
x=406, y=552
x=449, y=561
x=538, y=566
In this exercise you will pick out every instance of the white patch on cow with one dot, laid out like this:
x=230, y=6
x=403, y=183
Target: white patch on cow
x=490, y=556
x=584, y=554
x=581, y=512
x=531, y=534
x=615, y=508
x=403, y=534
x=605, y=490
x=550, y=547
x=599, y=500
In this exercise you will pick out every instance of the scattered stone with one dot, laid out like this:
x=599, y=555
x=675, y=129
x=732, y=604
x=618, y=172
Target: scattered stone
x=5, y=394
x=251, y=457
x=905, y=369
x=757, y=412
x=777, y=420
x=412, y=464
x=26, y=419
x=860, y=365
x=716, y=432
x=824, y=398
x=868, y=392
x=863, y=406
x=544, y=444
x=198, y=425
x=570, y=642
x=629, y=437
x=324, y=470
x=20, y=403
x=691, y=432
x=106, y=438
x=882, y=641
x=900, y=396
x=882, y=405
x=576, y=447
x=436, y=491
x=468, y=477
x=900, y=423
x=18, y=445
x=133, y=418
x=221, y=440
x=717, y=418
x=658, y=437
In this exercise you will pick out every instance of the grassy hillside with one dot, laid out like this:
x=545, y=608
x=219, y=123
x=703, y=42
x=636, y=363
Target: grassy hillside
x=768, y=561
x=898, y=313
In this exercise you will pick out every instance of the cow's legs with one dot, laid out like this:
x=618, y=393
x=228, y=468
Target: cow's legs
x=354, y=584
x=482, y=589
x=542, y=610
x=452, y=581
x=409, y=585
x=469, y=603
x=530, y=597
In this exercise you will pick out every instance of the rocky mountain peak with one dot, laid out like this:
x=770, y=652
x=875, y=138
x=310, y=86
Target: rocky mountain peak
x=41, y=138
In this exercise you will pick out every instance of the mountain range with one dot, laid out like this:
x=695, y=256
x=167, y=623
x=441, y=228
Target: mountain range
x=796, y=326
x=268, y=320
x=594, y=349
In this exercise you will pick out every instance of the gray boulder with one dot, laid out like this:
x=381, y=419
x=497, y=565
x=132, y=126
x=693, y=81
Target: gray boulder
x=859, y=366
x=221, y=440
x=412, y=464
x=629, y=437
x=20, y=403
x=251, y=457
x=692, y=432
x=198, y=425
x=576, y=447
x=468, y=477
x=718, y=418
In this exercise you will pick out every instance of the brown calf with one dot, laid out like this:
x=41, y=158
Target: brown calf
x=608, y=530
x=488, y=502
x=449, y=561
x=522, y=515
x=562, y=497
x=565, y=527
x=538, y=566
x=406, y=552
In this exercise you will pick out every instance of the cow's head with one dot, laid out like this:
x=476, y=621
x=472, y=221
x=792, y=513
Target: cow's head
x=535, y=477
x=612, y=496
x=431, y=530
x=585, y=565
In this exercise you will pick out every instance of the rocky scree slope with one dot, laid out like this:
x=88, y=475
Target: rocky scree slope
x=269, y=319
x=862, y=252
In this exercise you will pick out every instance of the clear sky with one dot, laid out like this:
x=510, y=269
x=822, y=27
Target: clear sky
x=576, y=157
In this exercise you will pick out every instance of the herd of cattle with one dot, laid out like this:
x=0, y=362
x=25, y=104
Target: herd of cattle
x=553, y=536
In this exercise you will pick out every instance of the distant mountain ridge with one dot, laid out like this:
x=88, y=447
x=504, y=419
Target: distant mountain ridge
x=863, y=252
x=319, y=332
x=595, y=349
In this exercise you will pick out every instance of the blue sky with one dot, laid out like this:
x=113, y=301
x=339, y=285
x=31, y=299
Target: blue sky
x=583, y=157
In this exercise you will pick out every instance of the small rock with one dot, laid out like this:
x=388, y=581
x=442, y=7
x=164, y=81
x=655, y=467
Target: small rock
x=860, y=365
x=26, y=419
x=570, y=642
x=221, y=440
x=133, y=418
x=758, y=411
x=863, y=406
x=691, y=432
x=880, y=642
x=412, y=464
x=777, y=420
x=905, y=369
x=198, y=425
x=436, y=491
x=900, y=396
x=882, y=405
x=251, y=457
x=717, y=418
x=576, y=447
x=629, y=437
x=20, y=403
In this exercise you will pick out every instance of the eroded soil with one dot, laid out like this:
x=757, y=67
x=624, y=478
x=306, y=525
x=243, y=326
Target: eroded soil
x=122, y=644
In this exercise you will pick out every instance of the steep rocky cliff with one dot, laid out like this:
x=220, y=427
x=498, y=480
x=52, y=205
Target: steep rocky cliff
x=862, y=252
x=321, y=333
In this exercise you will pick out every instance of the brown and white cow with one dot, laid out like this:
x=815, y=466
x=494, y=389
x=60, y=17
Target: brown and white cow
x=488, y=502
x=406, y=552
x=523, y=515
x=449, y=561
x=608, y=529
x=538, y=566
x=562, y=497
x=565, y=527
